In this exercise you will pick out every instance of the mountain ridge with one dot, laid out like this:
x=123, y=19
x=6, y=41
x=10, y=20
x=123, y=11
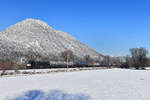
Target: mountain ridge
x=36, y=36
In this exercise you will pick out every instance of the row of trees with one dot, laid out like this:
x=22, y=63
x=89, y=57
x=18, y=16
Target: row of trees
x=138, y=59
x=69, y=56
x=15, y=63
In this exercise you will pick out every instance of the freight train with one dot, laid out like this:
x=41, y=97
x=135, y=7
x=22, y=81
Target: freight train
x=58, y=64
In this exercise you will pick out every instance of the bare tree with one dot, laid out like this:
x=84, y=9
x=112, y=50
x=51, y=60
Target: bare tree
x=5, y=66
x=67, y=56
x=139, y=57
x=116, y=61
x=107, y=61
x=87, y=58
x=148, y=62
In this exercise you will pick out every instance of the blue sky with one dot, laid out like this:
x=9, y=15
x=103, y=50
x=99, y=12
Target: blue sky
x=109, y=26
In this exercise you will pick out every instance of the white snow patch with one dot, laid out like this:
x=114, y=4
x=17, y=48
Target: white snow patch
x=112, y=84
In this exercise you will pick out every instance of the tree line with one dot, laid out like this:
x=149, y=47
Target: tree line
x=66, y=57
x=138, y=59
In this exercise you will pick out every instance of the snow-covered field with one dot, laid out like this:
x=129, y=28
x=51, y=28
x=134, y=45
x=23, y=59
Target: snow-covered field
x=106, y=84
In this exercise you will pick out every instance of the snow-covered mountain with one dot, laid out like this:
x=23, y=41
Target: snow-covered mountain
x=32, y=36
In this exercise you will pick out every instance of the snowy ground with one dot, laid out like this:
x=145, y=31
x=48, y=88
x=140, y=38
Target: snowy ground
x=108, y=84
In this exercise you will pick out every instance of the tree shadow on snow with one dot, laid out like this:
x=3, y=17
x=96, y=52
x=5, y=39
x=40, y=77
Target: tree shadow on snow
x=52, y=95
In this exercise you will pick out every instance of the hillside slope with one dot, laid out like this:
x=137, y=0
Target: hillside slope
x=32, y=36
